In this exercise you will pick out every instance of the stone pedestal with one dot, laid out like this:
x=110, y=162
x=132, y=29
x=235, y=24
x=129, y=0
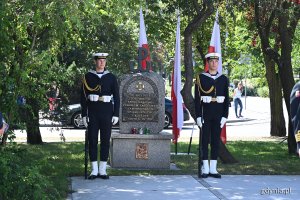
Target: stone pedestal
x=137, y=151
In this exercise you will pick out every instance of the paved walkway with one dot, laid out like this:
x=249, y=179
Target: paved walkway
x=187, y=187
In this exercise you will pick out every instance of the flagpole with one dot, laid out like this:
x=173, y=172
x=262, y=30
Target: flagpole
x=177, y=13
x=177, y=114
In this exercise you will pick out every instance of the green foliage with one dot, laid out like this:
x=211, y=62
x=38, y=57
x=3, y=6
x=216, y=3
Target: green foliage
x=251, y=91
x=295, y=53
x=22, y=178
x=257, y=82
x=263, y=91
x=49, y=43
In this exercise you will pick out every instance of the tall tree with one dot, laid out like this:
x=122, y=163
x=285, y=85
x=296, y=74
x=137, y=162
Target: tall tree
x=286, y=14
x=36, y=32
x=264, y=23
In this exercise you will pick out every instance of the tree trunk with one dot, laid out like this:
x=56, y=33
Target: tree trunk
x=286, y=71
x=32, y=123
x=189, y=74
x=287, y=26
x=277, y=118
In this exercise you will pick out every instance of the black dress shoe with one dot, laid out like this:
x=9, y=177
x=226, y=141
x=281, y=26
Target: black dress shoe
x=103, y=176
x=215, y=175
x=92, y=177
x=204, y=175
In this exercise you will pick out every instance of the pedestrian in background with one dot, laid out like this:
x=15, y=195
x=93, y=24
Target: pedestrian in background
x=237, y=95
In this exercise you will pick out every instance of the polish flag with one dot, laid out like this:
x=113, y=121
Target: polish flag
x=143, y=39
x=177, y=114
x=215, y=46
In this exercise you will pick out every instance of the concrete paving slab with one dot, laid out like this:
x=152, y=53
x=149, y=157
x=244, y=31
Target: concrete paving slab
x=166, y=187
x=177, y=187
x=257, y=187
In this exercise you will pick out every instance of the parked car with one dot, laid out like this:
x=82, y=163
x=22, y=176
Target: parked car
x=169, y=110
x=73, y=115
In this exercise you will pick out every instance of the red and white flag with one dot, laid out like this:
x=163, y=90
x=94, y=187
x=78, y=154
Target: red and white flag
x=215, y=43
x=143, y=40
x=177, y=114
x=215, y=46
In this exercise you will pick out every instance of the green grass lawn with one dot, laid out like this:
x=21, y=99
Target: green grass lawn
x=58, y=161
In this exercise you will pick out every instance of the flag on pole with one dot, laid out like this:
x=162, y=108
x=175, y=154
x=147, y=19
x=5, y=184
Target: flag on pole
x=177, y=114
x=215, y=43
x=215, y=46
x=143, y=40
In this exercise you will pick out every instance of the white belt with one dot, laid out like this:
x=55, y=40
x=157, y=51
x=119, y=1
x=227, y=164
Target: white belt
x=209, y=99
x=94, y=97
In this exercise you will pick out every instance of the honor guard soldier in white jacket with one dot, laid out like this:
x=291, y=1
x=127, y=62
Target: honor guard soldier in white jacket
x=211, y=106
x=100, y=103
x=295, y=113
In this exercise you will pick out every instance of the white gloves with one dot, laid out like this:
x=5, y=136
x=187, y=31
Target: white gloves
x=199, y=121
x=220, y=99
x=84, y=120
x=106, y=98
x=114, y=120
x=223, y=121
x=206, y=99
x=93, y=97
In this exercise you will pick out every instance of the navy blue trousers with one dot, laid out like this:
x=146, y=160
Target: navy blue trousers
x=211, y=132
x=99, y=119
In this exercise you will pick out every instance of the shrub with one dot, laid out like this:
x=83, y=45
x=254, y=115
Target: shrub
x=251, y=91
x=263, y=91
x=23, y=180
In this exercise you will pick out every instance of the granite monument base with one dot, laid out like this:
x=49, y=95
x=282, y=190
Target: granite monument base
x=137, y=151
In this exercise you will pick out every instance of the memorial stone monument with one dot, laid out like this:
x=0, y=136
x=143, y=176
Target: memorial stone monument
x=141, y=143
x=142, y=103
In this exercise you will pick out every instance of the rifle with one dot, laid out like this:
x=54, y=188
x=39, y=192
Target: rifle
x=200, y=162
x=86, y=153
x=200, y=153
x=191, y=138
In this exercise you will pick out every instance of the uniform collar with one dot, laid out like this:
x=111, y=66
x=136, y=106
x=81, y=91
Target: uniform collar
x=94, y=72
x=213, y=77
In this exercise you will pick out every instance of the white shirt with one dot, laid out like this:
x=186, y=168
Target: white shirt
x=238, y=93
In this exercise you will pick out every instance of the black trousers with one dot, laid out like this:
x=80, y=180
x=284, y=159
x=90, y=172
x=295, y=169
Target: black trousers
x=99, y=120
x=211, y=132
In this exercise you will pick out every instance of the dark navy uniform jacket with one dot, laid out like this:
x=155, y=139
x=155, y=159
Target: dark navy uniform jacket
x=107, y=85
x=295, y=113
x=211, y=87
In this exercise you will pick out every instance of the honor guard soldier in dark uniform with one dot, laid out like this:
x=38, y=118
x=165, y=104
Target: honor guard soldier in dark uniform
x=295, y=113
x=100, y=104
x=211, y=104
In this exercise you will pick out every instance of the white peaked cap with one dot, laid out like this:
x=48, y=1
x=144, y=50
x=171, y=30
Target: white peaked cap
x=212, y=55
x=100, y=54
